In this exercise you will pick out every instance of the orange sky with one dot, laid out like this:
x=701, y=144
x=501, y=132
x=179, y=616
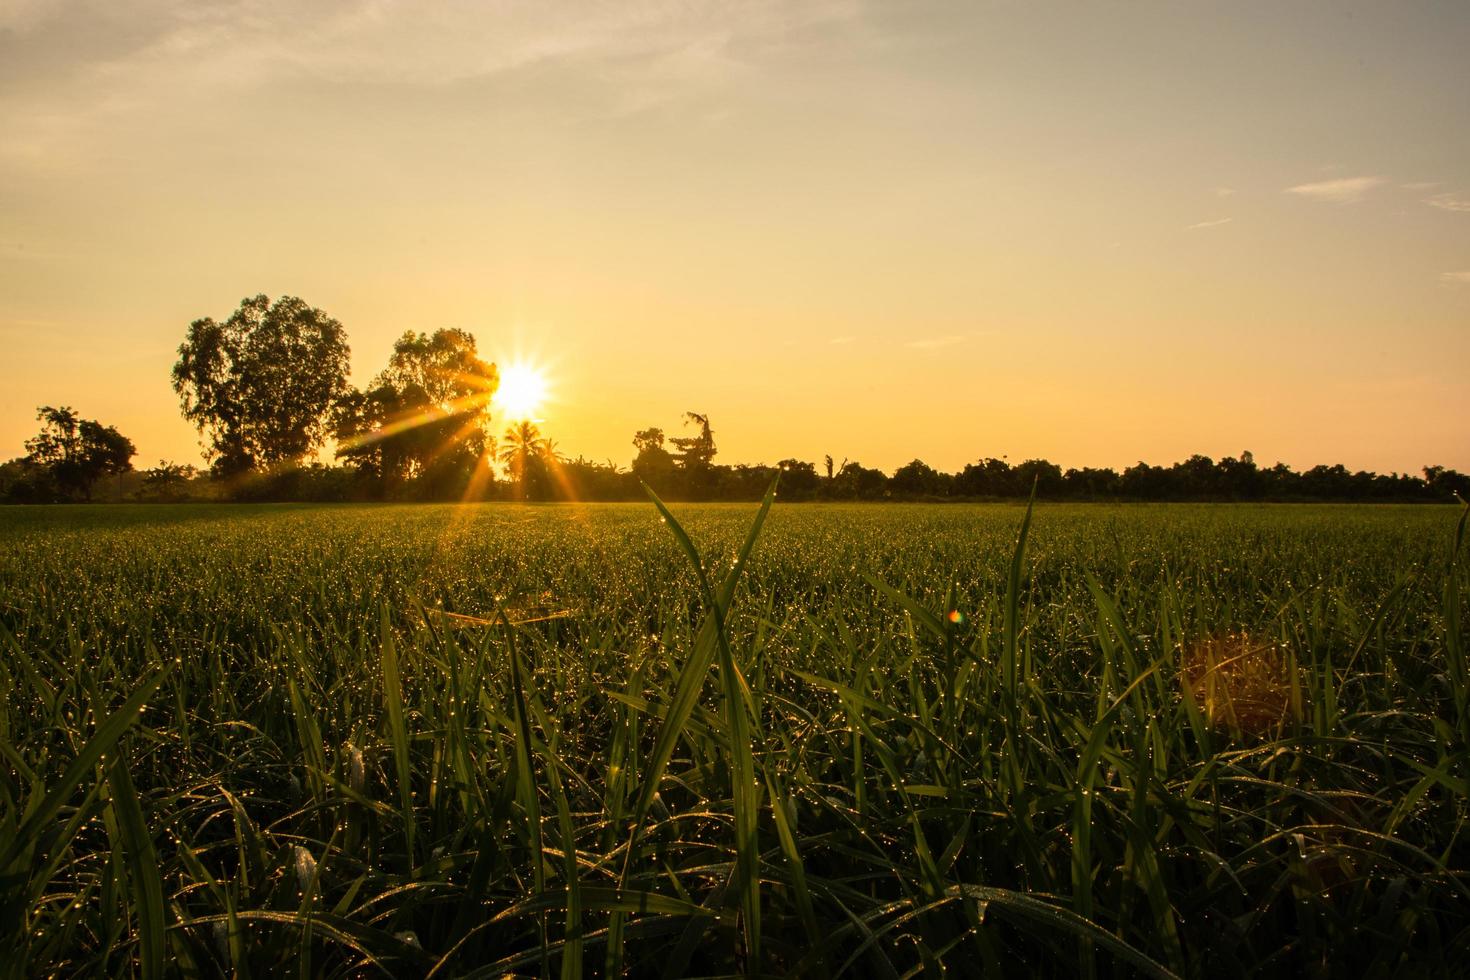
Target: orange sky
x=1095, y=232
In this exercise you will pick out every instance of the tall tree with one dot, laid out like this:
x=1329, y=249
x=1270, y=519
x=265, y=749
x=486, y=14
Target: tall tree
x=77, y=452
x=696, y=452
x=261, y=385
x=425, y=412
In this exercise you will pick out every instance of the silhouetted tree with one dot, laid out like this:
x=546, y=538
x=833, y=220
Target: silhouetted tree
x=986, y=478
x=523, y=450
x=918, y=479
x=1145, y=482
x=698, y=451
x=260, y=386
x=74, y=453
x=1044, y=475
x=799, y=479
x=167, y=482
x=1240, y=479
x=1091, y=483
x=424, y=417
x=1447, y=483
x=857, y=482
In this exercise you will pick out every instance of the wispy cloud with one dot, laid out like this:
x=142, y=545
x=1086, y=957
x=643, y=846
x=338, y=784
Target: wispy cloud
x=933, y=343
x=1343, y=190
x=841, y=340
x=1458, y=278
x=1224, y=191
x=69, y=66
x=1209, y=224
x=1420, y=185
x=1450, y=202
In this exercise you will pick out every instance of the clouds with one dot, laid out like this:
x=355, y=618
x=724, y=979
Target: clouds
x=1342, y=190
x=1455, y=278
x=1208, y=224
x=1351, y=190
x=68, y=66
x=1450, y=202
x=380, y=42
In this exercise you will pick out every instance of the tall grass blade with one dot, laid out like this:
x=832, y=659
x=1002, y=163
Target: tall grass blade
x=142, y=861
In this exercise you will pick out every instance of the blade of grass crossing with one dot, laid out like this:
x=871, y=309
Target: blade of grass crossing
x=525, y=774
x=1454, y=632
x=1011, y=622
x=101, y=741
x=397, y=731
x=142, y=863
x=745, y=792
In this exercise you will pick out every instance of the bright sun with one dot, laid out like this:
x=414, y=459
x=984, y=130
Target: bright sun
x=521, y=392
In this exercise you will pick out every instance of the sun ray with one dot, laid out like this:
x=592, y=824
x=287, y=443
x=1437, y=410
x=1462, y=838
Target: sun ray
x=412, y=420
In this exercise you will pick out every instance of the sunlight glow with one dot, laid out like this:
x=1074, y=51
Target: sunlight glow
x=522, y=391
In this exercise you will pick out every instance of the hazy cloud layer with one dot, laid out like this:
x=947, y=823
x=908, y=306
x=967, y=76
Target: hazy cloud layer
x=66, y=65
x=1209, y=224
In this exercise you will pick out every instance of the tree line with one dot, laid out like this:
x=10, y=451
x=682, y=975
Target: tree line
x=267, y=389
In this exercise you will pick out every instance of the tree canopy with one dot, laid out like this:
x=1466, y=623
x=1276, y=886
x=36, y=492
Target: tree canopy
x=261, y=385
x=66, y=458
x=424, y=416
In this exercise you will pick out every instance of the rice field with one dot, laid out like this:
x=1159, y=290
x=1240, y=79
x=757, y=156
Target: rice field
x=809, y=740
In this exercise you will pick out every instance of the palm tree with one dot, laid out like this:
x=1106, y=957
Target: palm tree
x=521, y=444
x=550, y=454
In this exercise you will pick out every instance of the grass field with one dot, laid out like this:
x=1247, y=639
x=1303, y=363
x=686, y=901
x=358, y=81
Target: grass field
x=1200, y=740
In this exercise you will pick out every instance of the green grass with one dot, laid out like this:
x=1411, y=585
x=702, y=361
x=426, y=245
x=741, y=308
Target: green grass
x=854, y=740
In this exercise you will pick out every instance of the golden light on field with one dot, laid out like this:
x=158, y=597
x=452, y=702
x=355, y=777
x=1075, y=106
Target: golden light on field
x=522, y=392
x=1242, y=684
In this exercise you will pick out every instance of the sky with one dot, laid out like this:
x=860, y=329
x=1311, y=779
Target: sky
x=1094, y=232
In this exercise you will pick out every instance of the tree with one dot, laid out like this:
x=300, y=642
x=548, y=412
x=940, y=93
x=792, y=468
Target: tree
x=424, y=416
x=1447, y=483
x=1044, y=475
x=260, y=385
x=986, y=478
x=75, y=453
x=696, y=452
x=918, y=479
x=654, y=464
x=855, y=480
x=1091, y=483
x=1240, y=478
x=799, y=479
x=648, y=440
x=167, y=482
x=524, y=451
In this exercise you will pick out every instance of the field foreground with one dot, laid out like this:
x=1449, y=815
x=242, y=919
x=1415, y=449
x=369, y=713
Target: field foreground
x=1200, y=740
